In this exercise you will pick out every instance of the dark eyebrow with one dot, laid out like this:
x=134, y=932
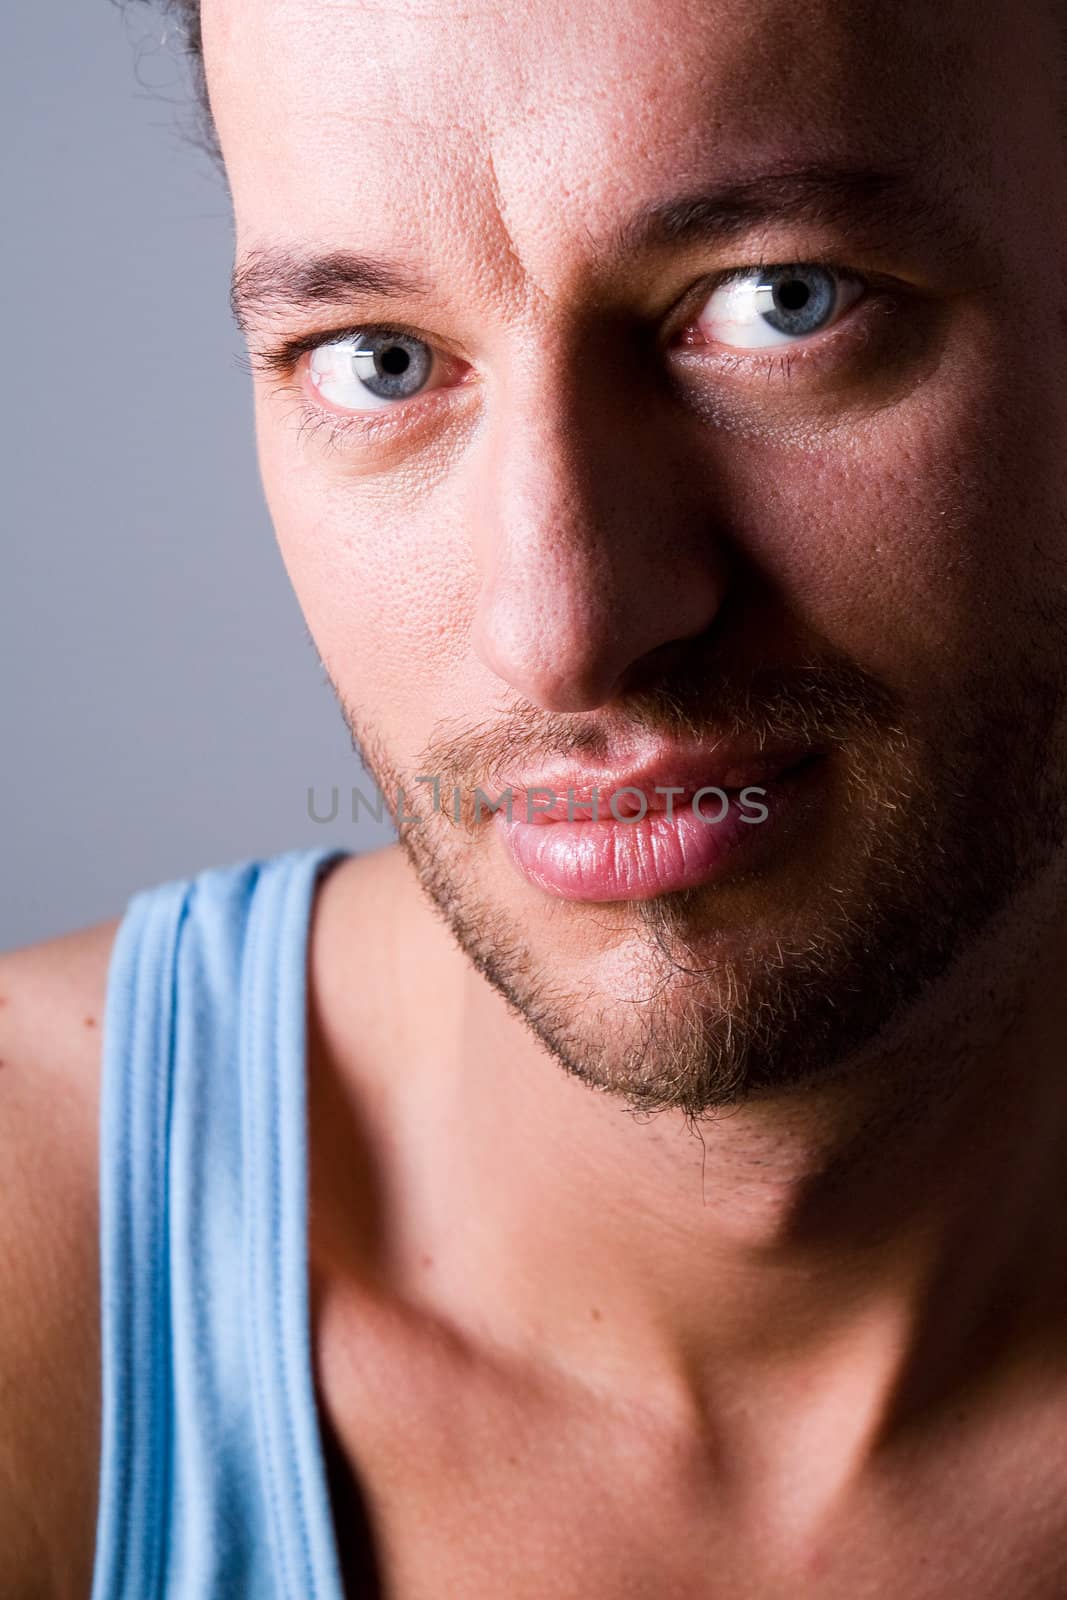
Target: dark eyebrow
x=884, y=204
x=271, y=278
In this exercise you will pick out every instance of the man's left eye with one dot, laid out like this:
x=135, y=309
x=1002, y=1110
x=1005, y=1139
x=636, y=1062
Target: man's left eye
x=366, y=371
x=757, y=307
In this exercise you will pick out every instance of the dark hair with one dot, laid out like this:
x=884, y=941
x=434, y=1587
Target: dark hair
x=188, y=14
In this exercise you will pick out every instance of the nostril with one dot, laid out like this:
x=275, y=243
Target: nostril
x=677, y=663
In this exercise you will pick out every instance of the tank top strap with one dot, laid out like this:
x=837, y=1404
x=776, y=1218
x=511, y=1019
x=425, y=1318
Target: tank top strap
x=212, y=1481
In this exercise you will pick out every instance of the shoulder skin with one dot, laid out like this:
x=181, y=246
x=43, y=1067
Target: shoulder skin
x=51, y=1023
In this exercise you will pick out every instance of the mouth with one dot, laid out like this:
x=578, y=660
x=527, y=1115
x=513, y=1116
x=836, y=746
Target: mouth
x=665, y=779
x=657, y=829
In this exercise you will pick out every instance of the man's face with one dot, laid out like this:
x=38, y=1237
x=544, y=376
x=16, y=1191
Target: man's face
x=585, y=505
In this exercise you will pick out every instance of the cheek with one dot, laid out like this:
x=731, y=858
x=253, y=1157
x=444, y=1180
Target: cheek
x=383, y=576
x=911, y=541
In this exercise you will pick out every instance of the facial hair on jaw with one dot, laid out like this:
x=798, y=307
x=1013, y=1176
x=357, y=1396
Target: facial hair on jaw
x=704, y=1035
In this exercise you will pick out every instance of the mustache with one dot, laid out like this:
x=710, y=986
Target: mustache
x=828, y=702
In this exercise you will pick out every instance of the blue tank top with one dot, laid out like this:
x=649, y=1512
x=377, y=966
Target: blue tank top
x=212, y=1472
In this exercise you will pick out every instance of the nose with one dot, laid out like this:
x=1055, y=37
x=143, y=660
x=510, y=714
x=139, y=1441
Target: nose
x=595, y=546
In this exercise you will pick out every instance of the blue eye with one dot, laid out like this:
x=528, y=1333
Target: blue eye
x=761, y=306
x=366, y=371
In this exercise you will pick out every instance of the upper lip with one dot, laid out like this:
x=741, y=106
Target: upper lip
x=727, y=763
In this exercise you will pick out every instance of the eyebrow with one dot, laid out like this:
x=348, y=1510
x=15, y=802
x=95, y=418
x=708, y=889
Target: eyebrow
x=271, y=279
x=887, y=203
x=884, y=204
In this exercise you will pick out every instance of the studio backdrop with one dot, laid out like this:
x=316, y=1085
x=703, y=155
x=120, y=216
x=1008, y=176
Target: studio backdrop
x=163, y=708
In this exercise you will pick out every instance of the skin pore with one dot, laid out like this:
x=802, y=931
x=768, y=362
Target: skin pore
x=826, y=1123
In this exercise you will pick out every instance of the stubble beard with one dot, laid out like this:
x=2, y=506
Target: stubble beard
x=940, y=835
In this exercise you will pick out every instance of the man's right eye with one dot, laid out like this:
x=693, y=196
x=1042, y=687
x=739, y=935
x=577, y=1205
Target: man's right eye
x=371, y=370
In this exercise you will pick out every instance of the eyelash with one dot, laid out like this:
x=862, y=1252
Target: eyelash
x=315, y=420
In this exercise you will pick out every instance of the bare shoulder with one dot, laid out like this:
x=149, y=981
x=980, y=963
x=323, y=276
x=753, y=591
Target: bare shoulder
x=51, y=1024
x=52, y=993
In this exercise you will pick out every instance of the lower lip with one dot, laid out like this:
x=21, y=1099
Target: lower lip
x=655, y=854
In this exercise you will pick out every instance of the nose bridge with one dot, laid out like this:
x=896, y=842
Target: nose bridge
x=587, y=532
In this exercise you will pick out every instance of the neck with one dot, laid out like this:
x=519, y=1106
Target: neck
x=796, y=1281
x=876, y=1240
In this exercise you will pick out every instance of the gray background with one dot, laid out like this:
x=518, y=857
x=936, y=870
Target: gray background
x=162, y=708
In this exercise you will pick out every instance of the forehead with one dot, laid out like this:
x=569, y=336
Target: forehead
x=409, y=117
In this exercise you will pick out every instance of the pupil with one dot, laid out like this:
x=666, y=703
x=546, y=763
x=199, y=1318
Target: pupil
x=794, y=294
x=394, y=359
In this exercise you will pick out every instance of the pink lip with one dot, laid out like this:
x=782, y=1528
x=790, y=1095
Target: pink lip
x=665, y=779
x=671, y=846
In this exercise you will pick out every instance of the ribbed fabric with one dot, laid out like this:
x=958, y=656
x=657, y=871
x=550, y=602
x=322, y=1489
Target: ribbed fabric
x=212, y=1480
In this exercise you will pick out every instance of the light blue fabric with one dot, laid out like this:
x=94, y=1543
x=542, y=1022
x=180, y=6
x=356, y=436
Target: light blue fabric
x=212, y=1479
